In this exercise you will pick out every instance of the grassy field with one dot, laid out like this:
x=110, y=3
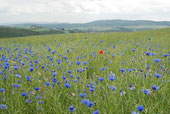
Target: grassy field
x=109, y=73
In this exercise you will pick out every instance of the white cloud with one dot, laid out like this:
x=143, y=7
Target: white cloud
x=82, y=10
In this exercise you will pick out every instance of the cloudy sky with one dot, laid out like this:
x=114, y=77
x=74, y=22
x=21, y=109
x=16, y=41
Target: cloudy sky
x=20, y=11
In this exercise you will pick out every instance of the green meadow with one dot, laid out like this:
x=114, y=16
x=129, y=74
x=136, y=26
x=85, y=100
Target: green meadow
x=46, y=74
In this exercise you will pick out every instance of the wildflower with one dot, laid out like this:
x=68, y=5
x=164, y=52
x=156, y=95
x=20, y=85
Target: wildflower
x=166, y=55
x=92, y=89
x=155, y=87
x=28, y=101
x=113, y=88
x=67, y=85
x=158, y=75
x=37, y=88
x=16, y=67
x=82, y=95
x=58, y=61
x=101, y=79
x=90, y=104
x=131, y=87
x=3, y=106
x=78, y=63
x=55, y=73
x=112, y=78
x=47, y=83
x=64, y=77
x=146, y=91
x=122, y=70
x=54, y=80
x=140, y=108
x=53, y=52
x=85, y=101
x=16, y=85
x=2, y=90
x=24, y=94
x=18, y=76
x=101, y=52
x=69, y=71
x=157, y=60
x=40, y=102
x=31, y=69
x=28, y=78
x=96, y=112
x=71, y=109
x=122, y=92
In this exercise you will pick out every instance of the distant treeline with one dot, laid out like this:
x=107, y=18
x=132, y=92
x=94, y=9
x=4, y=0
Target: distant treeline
x=6, y=32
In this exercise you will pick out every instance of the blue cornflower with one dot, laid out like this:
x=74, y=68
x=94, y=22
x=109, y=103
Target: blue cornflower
x=122, y=70
x=148, y=53
x=53, y=52
x=54, y=80
x=140, y=108
x=122, y=92
x=166, y=55
x=37, y=88
x=130, y=70
x=131, y=87
x=147, y=91
x=113, y=88
x=112, y=78
x=96, y=112
x=24, y=94
x=16, y=85
x=40, y=102
x=2, y=89
x=47, y=83
x=16, y=67
x=38, y=97
x=67, y=85
x=31, y=69
x=3, y=106
x=49, y=49
x=157, y=60
x=133, y=50
x=71, y=109
x=64, y=77
x=90, y=104
x=158, y=75
x=82, y=95
x=18, y=76
x=85, y=101
x=92, y=89
x=58, y=61
x=28, y=101
x=55, y=73
x=155, y=87
x=68, y=51
x=28, y=78
x=78, y=63
x=85, y=63
x=69, y=71
x=101, y=79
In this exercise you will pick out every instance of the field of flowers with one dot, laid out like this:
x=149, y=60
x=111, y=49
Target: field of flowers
x=90, y=73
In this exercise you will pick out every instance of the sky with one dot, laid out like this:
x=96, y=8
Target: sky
x=81, y=11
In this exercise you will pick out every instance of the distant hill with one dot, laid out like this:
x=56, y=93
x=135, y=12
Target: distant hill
x=99, y=23
x=6, y=32
x=103, y=25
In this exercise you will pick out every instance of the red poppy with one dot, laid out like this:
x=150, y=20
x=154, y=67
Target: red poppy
x=101, y=52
